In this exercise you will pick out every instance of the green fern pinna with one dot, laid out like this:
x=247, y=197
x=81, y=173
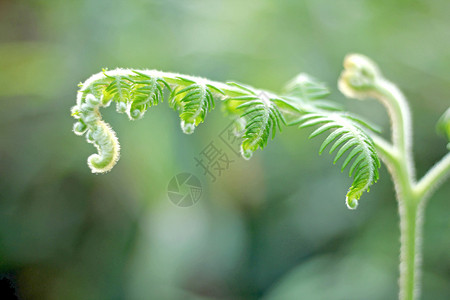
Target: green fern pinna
x=259, y=114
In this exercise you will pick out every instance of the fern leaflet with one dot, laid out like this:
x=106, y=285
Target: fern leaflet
x=353, y=142
x=194, y=102
x=146, y=91
x=261, y=117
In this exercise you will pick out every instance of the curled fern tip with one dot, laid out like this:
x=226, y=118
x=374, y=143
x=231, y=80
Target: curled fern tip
x=188, y=128
x=359, y=76
x=351, y=202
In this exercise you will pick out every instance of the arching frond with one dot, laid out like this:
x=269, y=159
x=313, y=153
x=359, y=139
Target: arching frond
x=260, y=114
x=352, y=142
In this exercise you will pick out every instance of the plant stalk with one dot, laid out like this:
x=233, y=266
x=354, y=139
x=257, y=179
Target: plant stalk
x=401, y=167
x=411, y=227
x=410, y=207
x=362, y=79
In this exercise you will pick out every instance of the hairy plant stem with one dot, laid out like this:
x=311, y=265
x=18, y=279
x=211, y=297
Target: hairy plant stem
x=410, y=208
x=362, y=80
x=402, y=171
x=411, y=196
x=398, y=158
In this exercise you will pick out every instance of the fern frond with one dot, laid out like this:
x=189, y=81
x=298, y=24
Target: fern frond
x=353, y=142
x=260, y=114
x=134, y=92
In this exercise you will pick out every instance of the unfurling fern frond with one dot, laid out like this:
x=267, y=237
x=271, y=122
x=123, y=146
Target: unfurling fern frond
x=261, y=117
x=135, y=91
x=260, y=114
x=98, y=133
x=353, y=142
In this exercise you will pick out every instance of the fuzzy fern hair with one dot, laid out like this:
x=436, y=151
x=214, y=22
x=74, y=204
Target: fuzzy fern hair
x=259, y=114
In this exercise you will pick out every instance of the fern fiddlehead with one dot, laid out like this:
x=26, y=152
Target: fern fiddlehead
x=97, y=132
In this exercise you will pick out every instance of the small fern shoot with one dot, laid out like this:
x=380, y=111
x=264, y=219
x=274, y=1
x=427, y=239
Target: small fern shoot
x=135, y=91
x=259, y=115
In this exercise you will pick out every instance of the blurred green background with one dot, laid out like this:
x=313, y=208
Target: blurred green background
x=274, y=227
